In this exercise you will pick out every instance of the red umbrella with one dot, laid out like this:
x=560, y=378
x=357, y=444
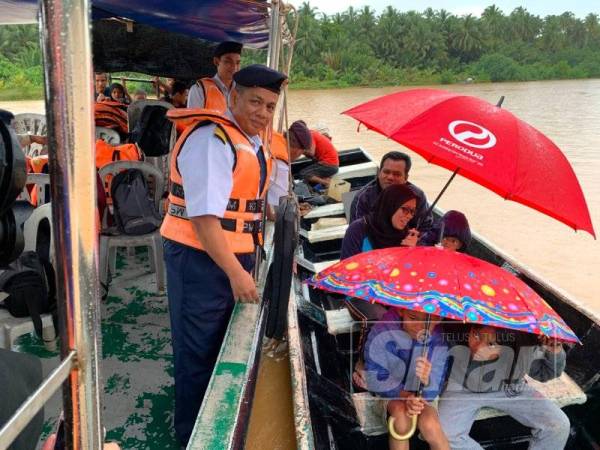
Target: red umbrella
x=447, y=284
x=484, y=143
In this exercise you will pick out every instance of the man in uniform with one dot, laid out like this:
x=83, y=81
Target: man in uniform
x=218, y=180
x=213, y=93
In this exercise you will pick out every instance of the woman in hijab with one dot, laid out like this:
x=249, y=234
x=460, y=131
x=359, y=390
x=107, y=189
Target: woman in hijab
x=385, y=226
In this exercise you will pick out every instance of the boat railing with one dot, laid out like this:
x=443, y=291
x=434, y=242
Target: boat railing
x=36, y=401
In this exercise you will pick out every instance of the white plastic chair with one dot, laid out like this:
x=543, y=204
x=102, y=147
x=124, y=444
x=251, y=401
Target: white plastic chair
x=108, y=135
x=13, y=327
x=38, y=232
x=109, y=244
x=42, y=185
x=30, y=123
x=38, y=238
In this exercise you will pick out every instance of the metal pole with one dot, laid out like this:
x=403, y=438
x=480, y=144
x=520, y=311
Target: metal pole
x=274, y=36
x=272, y=62
x=69, y=102
x=35, y=402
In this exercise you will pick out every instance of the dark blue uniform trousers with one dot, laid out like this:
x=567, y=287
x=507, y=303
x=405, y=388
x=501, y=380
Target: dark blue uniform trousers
x=200, y=305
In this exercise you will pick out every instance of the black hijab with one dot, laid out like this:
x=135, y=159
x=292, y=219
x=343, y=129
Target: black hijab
x=380, y=231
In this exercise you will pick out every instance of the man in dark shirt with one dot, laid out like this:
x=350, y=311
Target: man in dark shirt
x=394, y=169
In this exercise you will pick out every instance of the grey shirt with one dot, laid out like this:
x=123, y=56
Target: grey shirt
x=507, y=371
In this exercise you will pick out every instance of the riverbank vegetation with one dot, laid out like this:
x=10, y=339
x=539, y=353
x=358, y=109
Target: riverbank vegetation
x=359, y=47
x=362, y=48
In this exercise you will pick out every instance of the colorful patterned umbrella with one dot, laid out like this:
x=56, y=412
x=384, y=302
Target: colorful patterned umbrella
x=447, y=284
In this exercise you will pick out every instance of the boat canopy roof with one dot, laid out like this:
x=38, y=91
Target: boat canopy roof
x=243, y=21
x=162, y=37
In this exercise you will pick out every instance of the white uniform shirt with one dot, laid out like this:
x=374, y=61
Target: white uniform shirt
x=196, y=93
x=206, y=167
x=279, y=182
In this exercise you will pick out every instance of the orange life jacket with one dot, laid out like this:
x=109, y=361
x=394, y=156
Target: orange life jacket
x=106, y=153
x=110, y=114
x=242, y=220
x=279, y=147
x=213, y=97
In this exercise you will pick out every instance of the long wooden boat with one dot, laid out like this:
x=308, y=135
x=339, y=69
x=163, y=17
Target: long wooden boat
x=122, y=346
x=322, y=345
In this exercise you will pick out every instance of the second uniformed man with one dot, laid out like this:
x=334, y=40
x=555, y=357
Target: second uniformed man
x=214, y=93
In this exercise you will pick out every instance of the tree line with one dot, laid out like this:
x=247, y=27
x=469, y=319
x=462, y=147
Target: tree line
x=361, y=48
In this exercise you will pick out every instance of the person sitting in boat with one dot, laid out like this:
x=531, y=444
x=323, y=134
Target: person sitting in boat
x=394, y=169
x=179, y=94
x=393, y=368
x=164, y=88
x=214, y=93
x=317, y=147
x=489, y=371
x=385, y=226
x=452, y=232
x=140, y=94
x=119, y=94
x=101, y=89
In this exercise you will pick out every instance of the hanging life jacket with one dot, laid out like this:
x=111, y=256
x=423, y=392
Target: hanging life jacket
x=111, y=115
x=242, y=220
x=213, y=97
x=279, y=147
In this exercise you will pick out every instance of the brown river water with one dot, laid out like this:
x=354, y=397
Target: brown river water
x=568, y=112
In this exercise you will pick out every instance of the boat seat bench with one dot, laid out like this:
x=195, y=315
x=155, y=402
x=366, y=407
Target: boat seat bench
x=372, y=414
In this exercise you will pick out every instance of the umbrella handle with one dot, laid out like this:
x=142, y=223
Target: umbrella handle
x=405, y=436
x=413, y=425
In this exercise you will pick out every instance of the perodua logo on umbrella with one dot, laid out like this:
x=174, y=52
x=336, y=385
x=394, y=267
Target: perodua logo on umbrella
x=471, y=134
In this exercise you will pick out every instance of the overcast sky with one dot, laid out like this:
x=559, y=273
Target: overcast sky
x=459, y=7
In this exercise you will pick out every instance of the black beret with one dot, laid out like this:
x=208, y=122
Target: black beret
x=257, y=75
x=228, y=47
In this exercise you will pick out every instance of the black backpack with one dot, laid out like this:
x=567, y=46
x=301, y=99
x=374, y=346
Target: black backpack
x=152, y=133
x=31, y=287
x=134, y=210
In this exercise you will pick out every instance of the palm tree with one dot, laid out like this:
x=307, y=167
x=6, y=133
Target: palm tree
x=467, y=38
x=494, y=25
x=524, y=26
x=388, y=31
x=592, y=31
x=309, y=34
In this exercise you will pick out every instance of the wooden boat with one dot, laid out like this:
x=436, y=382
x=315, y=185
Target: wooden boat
x=110, y=339
x=322, y=345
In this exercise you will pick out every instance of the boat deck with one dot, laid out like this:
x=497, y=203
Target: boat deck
x=137, y=360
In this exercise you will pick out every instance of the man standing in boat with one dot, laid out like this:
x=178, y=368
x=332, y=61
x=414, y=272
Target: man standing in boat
x=218, y=179
x=393, y=169
x=214, y=93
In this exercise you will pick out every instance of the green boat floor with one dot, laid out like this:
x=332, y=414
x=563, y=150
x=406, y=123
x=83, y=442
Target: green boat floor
x=137, y=360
